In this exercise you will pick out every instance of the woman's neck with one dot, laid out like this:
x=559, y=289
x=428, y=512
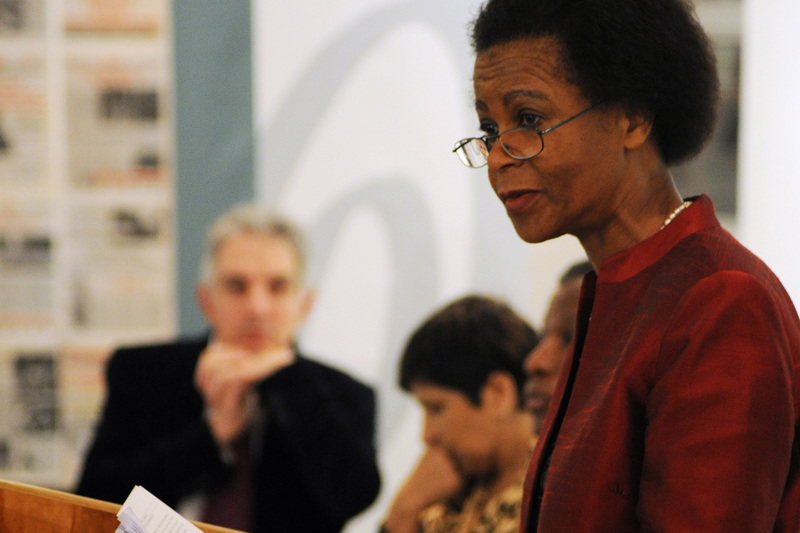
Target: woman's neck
x=637, y=216
x=514, y=455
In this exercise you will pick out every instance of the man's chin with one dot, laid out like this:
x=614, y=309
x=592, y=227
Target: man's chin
x=262, y=339
x=256, y=344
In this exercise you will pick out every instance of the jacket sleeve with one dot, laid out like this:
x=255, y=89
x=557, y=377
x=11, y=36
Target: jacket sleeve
x=720, y=417
x=136, y=444
x=326, y=422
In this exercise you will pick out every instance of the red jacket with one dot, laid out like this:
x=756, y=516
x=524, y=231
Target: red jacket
x=683, y=412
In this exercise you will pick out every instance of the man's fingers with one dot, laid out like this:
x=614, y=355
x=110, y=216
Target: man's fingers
x=265, y=363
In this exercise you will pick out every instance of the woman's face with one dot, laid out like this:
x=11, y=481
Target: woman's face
x=575, y=183
x=458, y=427
x=543, y=365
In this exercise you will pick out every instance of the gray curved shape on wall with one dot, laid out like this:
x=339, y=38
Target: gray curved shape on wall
x=497, y=263
x=403, y=212
x=279, y=147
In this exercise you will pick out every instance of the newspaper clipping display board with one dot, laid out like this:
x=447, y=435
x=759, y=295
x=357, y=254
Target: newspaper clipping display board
x=87, y=244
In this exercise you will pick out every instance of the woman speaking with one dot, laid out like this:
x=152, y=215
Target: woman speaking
x=677, y=410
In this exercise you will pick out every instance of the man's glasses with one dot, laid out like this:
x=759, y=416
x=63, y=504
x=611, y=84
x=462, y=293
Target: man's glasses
x=523, y=142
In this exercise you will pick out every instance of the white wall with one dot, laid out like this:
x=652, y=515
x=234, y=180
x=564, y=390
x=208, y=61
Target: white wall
x=769, y=169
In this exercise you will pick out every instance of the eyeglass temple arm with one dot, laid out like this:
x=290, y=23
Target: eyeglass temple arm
x=570, y=119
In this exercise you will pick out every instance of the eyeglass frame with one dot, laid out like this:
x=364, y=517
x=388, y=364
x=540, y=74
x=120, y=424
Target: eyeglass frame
x=498, y=136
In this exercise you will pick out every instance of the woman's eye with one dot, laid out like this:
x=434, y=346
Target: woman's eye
x=432, y=409
x=489, y=128
x=529, y=119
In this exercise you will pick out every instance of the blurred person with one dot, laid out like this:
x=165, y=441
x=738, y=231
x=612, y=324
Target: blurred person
x=679, y=409
x=464, y=367
x=544, y=364
x=240, y=421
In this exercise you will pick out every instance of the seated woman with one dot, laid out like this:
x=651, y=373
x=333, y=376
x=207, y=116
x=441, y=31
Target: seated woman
x=464, y=365
x=544, y=364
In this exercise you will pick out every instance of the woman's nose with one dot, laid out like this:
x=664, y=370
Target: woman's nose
x=429, y=434
x=538, y=361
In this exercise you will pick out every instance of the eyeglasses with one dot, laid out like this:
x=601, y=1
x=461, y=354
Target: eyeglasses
x=523, y=142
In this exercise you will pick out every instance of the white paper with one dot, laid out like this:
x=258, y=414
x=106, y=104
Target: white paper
x=144, y=513
x=129, y=523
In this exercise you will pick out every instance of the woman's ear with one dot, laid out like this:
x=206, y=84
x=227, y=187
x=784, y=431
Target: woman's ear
x=500, y=393
x=638, y=124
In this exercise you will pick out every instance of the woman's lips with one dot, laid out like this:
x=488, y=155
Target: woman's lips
x=517, y=201
x=536, y=401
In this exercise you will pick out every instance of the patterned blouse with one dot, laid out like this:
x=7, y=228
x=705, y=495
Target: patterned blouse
x=477, y=513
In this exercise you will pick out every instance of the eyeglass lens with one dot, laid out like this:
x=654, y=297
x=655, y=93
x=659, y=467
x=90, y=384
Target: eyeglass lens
x=519, y=143
x=472, y=152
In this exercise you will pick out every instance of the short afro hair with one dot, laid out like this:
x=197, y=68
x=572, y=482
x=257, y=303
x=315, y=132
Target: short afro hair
x=649, y=55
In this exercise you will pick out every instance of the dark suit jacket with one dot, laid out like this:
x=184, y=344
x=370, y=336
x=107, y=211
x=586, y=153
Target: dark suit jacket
x=315, y=468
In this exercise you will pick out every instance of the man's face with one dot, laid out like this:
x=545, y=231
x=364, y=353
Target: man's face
x=544, y=363
x=459, y=427
x=254, y=299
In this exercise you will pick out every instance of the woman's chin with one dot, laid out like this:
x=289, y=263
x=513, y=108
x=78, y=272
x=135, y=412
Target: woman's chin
x=532, y=234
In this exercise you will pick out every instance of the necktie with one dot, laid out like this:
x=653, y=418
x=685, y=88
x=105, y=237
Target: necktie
x=229, y=504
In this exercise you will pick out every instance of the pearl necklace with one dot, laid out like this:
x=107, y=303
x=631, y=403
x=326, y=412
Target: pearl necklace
x=675, y=213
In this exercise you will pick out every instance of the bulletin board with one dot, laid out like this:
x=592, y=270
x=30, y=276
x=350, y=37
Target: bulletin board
x=87, y=246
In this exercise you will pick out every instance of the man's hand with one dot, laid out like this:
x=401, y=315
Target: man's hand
x=434, y=480
x=225, y=376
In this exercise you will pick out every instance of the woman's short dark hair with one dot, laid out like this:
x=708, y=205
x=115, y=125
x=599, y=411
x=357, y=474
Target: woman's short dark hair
x=650, y=55
x=460, y=345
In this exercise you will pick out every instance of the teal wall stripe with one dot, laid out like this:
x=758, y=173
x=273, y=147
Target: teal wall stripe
x=214, y=129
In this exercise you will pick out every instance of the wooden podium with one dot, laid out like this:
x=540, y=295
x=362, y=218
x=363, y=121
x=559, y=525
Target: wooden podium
x=30, y=509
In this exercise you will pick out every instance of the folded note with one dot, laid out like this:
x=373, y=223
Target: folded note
x=144, y=513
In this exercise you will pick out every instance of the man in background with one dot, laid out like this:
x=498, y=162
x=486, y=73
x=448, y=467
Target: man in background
x=464, y=366
x=544, y=363
x=240, y=422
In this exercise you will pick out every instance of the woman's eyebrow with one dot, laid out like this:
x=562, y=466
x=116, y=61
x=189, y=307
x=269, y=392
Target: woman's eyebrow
x=510, y=96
